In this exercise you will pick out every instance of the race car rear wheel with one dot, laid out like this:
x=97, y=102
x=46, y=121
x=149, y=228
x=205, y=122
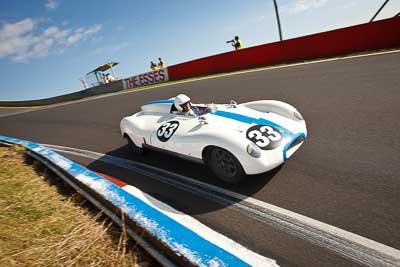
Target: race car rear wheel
x=225, y=165
x=137, y=150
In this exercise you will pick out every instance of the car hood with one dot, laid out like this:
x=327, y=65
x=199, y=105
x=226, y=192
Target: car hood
x=245, y=120
x=242, y=118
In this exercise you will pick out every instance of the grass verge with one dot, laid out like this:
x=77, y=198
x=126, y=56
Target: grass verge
x=43, y=222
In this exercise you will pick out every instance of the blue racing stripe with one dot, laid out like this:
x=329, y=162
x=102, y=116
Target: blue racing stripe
x=168, y=101
x=250, y=120
x=288, y=135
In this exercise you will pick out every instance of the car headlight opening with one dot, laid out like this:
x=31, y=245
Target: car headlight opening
x=253, y=150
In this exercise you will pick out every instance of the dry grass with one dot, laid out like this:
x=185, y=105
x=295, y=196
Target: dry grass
x=45, y=223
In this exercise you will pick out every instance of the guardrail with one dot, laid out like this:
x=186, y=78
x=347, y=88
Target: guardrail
x=166, y=239
x=92, y=91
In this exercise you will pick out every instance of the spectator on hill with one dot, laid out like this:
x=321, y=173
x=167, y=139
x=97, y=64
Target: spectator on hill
x=236, y=43
x=161, y=63
x=153, y=66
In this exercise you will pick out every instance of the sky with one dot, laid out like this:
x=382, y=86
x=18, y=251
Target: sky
x=47, y=45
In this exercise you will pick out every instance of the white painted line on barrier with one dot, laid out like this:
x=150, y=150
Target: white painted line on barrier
x=214, y=76
x=344, y=243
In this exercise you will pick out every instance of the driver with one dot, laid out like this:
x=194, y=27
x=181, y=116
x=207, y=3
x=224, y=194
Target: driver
x=184, y=107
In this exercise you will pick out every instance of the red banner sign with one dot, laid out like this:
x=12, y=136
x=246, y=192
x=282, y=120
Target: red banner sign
x=148, y=78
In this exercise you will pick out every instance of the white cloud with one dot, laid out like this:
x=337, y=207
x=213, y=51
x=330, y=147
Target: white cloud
x=19, y=28
x=14, y=37
x=83, y=33
x=51, y=4
x=110, y=49
x=21, y=41
x=92, y=29
x=302, y=5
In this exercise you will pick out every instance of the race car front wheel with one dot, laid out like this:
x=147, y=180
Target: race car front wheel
x=137, y=150
x=224, y=165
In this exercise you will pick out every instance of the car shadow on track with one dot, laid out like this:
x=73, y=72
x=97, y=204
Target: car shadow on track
x=181, y=199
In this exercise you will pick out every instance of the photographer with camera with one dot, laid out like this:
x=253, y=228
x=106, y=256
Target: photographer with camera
x=236, y=43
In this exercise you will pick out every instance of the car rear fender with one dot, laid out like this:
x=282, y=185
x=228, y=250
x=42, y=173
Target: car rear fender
x=275, y=106
x=135, y=128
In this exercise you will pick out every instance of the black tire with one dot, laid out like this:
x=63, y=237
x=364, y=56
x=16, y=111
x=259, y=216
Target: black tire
x=137, y=150
x=224, y=165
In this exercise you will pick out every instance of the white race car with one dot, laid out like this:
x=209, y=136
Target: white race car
x=233, y=140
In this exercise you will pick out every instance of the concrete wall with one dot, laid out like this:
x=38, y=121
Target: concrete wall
x=369, y=36
x=97, y=90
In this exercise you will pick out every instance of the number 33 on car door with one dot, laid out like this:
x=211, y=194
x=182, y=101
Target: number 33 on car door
x=165, y=132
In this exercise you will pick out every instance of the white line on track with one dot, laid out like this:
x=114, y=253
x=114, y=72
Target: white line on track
x=346, y=244
x=214, y=76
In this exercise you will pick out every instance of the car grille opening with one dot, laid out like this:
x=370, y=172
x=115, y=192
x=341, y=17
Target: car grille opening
x=296, y=143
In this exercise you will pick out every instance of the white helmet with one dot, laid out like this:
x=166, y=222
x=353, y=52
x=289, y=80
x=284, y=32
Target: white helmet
x=180, y=100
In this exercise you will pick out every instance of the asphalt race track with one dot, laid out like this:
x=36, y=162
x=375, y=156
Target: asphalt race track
x=6, y=111
x=347, y=174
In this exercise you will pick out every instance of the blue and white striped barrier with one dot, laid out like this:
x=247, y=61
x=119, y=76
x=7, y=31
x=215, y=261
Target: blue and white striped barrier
x=180, y=233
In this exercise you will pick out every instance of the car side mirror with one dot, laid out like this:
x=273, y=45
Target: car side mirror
x=233, y=104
